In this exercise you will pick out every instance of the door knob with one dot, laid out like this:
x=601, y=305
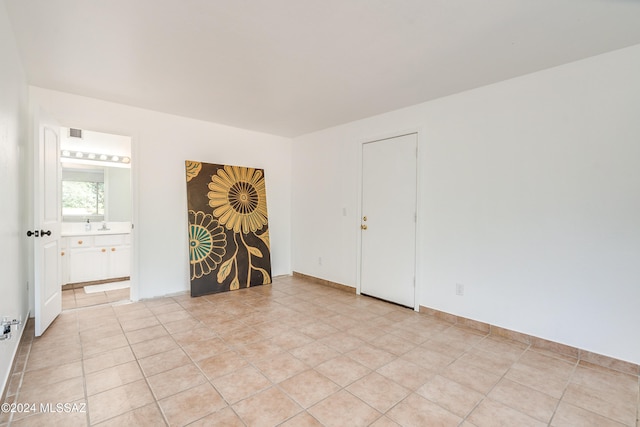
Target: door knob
x=45, y=233
x=33, y=233
x=363, y=226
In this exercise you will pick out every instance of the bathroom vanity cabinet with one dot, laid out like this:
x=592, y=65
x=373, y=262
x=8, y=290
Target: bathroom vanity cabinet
x=87, y=258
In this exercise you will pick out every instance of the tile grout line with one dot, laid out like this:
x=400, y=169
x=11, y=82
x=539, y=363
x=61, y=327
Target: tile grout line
x=156, y=401
x=111, y=305
x=22, y=372
x=195, y=364
x=84, y=376
x=564, y=391
x=485, y=394
x=254, y=304
x=273, y=384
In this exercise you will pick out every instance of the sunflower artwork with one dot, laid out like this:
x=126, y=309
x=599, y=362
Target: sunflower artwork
x=228, y=228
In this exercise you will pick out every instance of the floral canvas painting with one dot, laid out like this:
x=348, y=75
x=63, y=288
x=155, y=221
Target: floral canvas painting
x=228, y=227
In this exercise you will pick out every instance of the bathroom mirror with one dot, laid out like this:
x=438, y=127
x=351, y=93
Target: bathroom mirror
x=96, y=193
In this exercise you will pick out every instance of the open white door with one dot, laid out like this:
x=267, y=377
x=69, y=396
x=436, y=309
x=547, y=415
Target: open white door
x=47, y=216
x=388, y=223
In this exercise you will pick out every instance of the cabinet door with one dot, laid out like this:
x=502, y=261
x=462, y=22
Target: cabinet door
x=64, y=253
x=88, y=264
x=119, y=261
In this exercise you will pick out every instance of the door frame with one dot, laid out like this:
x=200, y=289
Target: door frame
x=134, y=291
x=417, y=252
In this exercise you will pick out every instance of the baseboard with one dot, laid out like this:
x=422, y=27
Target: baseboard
x=14, y=359
x=325, y=282
x=584, y=357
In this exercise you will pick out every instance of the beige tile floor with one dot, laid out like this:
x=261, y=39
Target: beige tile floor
x=77, y=298
x=300, y=354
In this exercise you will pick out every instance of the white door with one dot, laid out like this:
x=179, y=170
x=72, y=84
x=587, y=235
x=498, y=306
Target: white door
x=47, y=216
x=388, y=223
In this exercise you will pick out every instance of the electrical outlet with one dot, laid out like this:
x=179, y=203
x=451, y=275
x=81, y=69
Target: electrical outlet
x=459, y=289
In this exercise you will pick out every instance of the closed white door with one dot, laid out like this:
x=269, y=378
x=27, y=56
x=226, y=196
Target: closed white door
x=388, y=223
x=47, y=216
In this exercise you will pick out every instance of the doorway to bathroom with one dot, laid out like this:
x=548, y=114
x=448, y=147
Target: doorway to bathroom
x=96, y=212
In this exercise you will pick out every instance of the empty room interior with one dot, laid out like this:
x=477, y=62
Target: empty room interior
x=336, y=213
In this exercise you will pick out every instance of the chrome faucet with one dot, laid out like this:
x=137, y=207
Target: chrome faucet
x=104, y=227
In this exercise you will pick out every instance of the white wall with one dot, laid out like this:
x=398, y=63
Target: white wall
x=13, y=134
x=530, y=197
x=160, y=145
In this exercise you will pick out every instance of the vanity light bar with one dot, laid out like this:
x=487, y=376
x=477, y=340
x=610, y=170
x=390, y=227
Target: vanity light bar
x=94, y=156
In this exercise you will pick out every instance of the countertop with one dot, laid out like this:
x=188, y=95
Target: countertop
x=93, y=233
x=78, y=228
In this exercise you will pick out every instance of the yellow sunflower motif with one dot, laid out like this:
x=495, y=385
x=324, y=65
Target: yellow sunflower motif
x=193, y=169
x=238, y=198
x=207, y=243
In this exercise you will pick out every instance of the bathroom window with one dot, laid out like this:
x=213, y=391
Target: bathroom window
x=83, y=194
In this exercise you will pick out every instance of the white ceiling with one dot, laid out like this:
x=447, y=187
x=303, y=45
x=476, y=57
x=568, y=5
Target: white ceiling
x=289, y=67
